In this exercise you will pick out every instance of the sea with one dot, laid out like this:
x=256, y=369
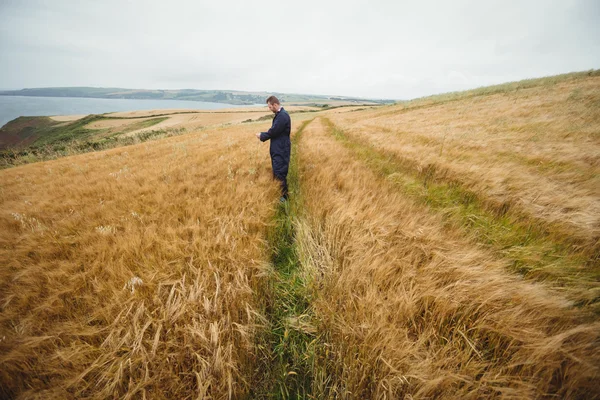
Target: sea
x=12, y=107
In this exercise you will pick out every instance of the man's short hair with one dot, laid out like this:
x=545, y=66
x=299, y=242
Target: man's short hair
x=272, y=100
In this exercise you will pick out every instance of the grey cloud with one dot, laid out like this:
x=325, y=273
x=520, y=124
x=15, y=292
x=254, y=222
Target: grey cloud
x=378, y=48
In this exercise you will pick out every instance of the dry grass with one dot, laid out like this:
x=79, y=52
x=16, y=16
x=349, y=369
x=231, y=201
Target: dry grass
x=187, y=216
x=183, y=119
x=225, y=111
x=203, y=120
x=165, y=269
x=535, y=151
x=186, y=120
x=67, y=118
x=105, y=132
x=407, y=309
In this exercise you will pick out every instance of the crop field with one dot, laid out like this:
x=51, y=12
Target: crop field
x=32, y=139
x=446, y=247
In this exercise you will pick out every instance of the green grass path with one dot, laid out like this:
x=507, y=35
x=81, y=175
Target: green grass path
x=289, y=345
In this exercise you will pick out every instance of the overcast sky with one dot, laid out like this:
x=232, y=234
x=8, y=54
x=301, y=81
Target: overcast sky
x=379, y=49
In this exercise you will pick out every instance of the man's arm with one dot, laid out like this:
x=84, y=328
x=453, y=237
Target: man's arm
x=277, y=129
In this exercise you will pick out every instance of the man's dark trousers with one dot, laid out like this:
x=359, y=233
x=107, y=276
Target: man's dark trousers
x=280, y=147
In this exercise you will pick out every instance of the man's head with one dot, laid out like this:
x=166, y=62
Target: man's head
x=273, y=104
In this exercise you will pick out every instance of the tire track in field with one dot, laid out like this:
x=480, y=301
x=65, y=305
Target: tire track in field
x=405, y=307
x=530, y=250
x=288, y=347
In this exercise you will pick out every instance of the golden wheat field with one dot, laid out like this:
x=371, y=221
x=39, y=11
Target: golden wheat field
x=443, y=248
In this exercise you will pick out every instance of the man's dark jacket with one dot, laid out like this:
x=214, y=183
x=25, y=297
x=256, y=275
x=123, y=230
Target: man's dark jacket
x=279, y=134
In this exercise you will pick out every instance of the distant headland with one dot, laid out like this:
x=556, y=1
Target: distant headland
x=218, y=96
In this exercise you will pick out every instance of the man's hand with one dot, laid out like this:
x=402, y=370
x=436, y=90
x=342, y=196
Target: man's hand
x=258, y=135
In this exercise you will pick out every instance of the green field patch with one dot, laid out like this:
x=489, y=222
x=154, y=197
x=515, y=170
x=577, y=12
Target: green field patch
x=141, y=125
x=49, y=139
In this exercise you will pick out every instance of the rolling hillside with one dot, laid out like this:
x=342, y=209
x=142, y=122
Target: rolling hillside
x=445, y=247
x=31, y=139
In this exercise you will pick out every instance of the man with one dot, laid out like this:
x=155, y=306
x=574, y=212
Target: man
x=280, y=147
